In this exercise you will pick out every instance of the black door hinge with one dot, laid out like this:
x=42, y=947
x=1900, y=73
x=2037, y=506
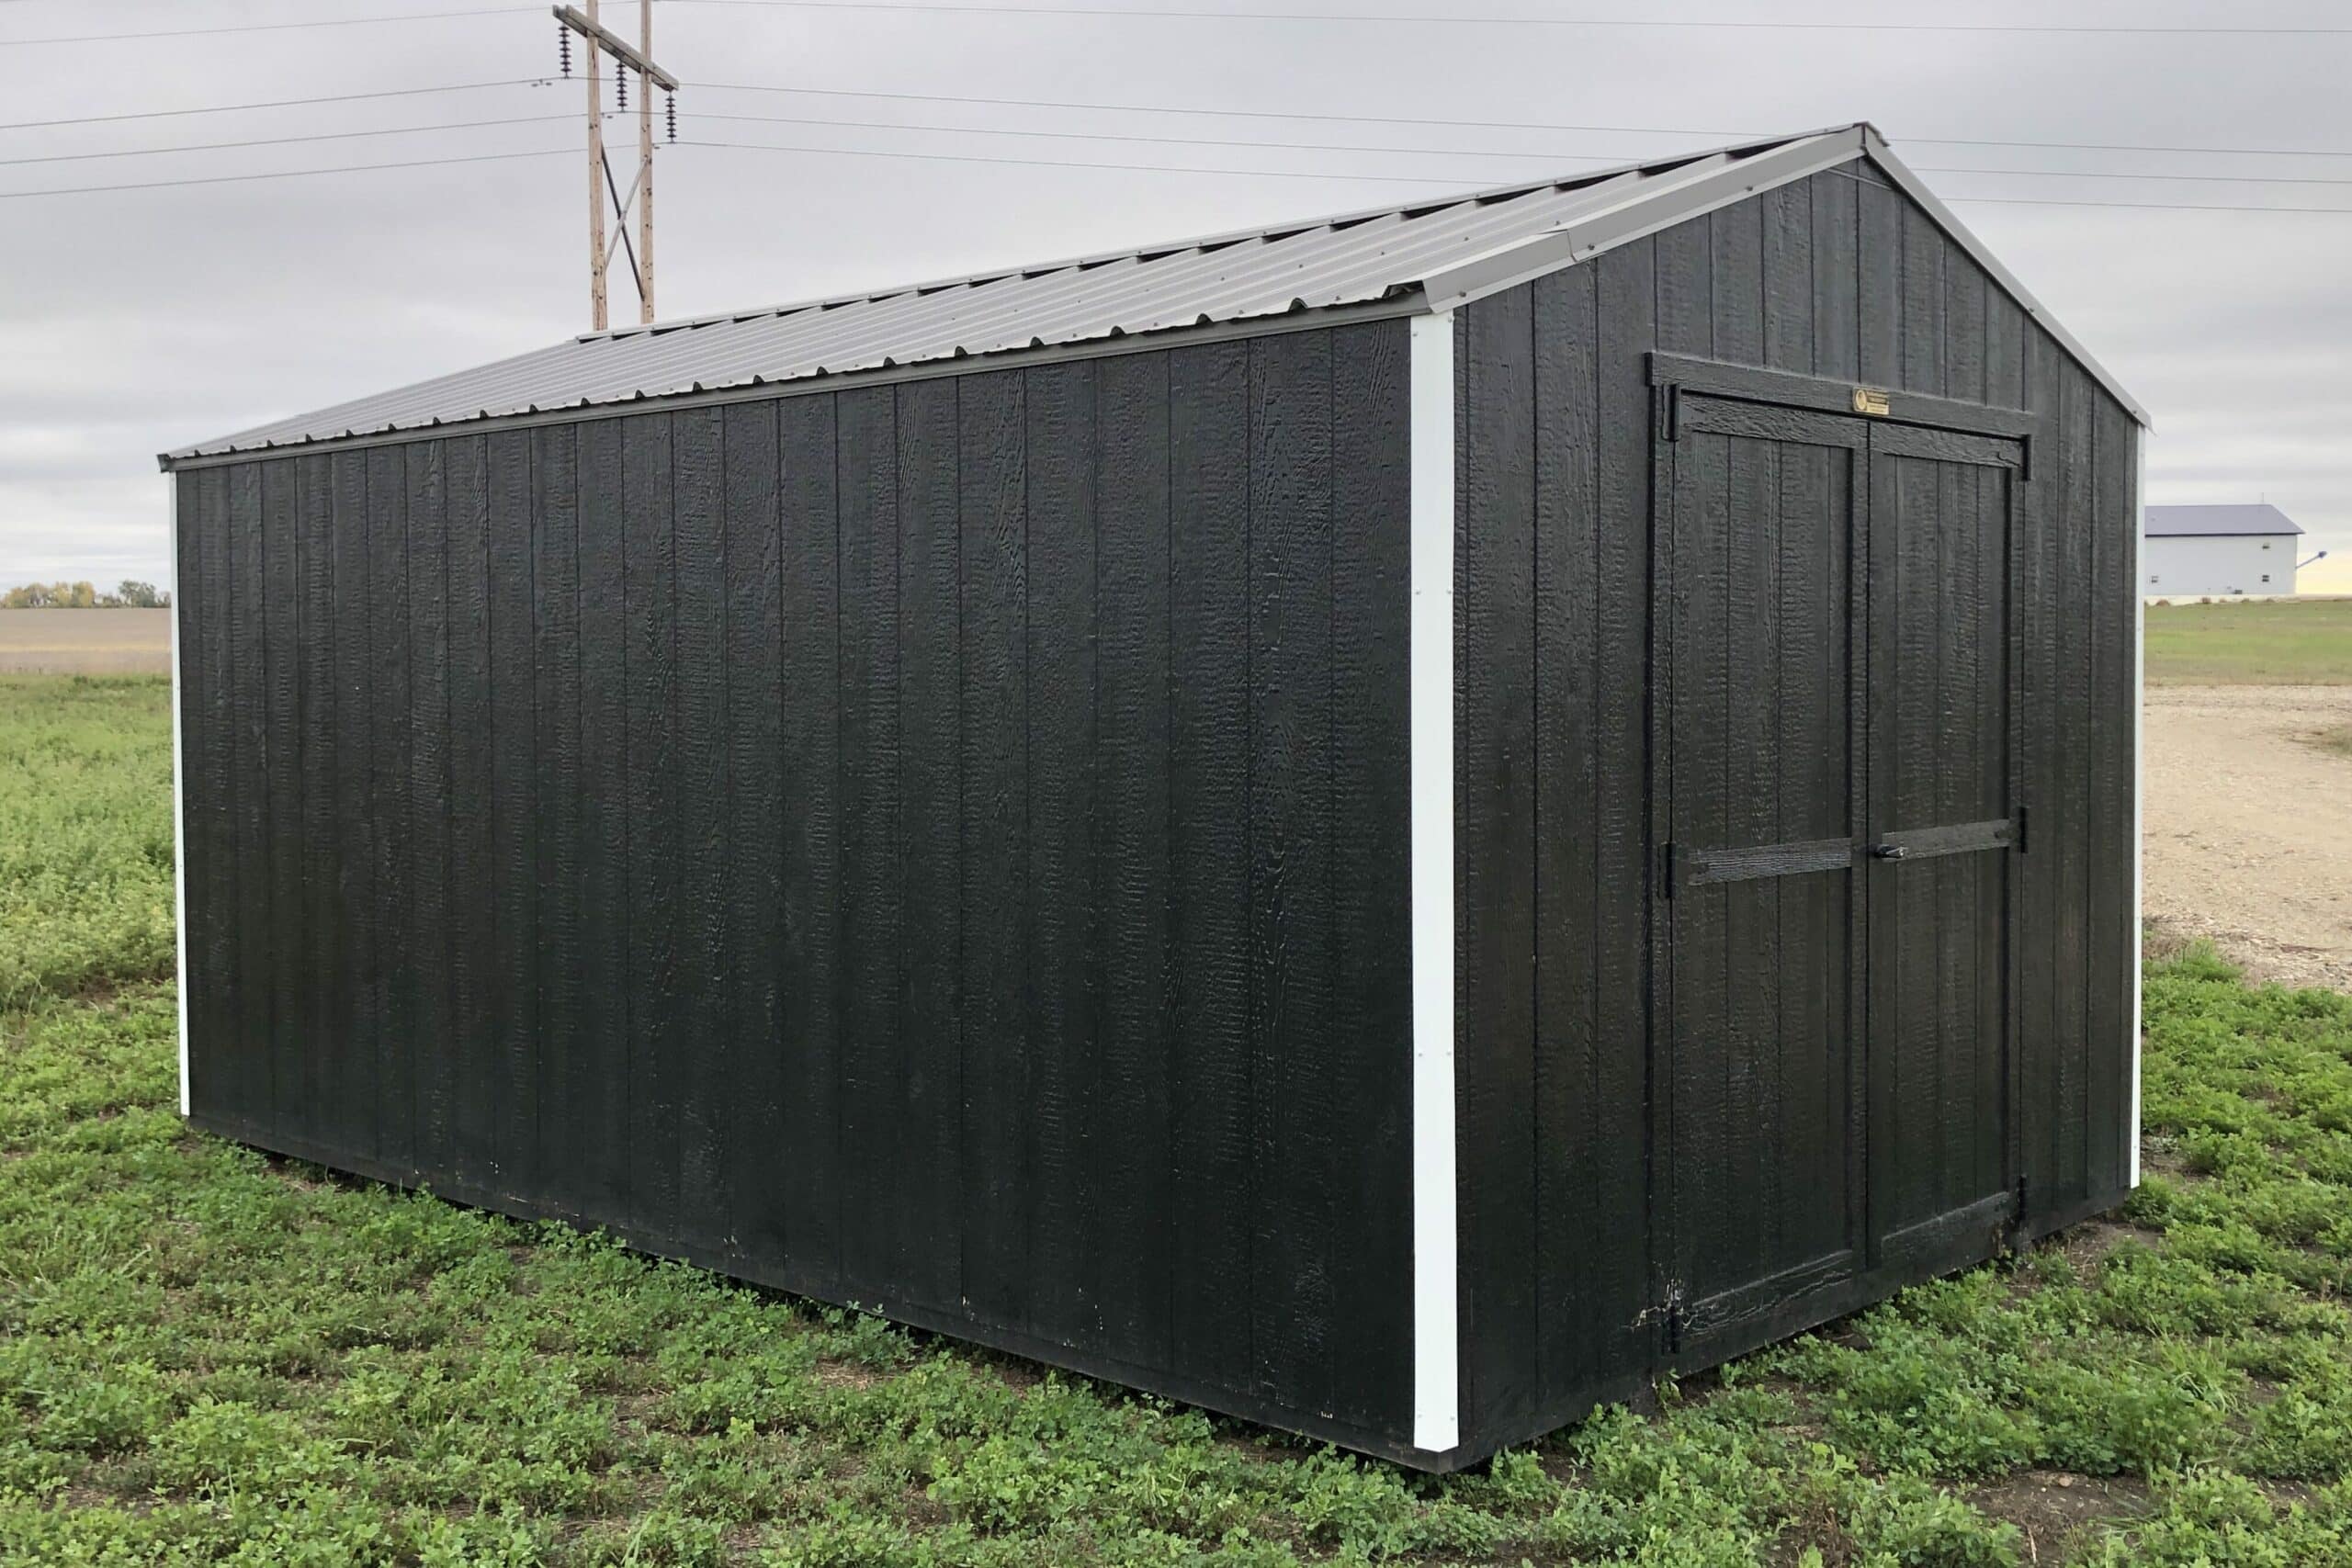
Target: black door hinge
x=1666, y=409
x=1671, y=1310
x=2025, y=816
x=1665, y=869
x=2022, y=1200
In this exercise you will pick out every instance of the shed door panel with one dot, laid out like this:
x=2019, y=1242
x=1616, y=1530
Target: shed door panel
x=1942, y=822
x=1758, y=752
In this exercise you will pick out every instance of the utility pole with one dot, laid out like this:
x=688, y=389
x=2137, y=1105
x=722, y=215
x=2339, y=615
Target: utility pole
x=599, y=256
x=645, y=170
x=603, y=190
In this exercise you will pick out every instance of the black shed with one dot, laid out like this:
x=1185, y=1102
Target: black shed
x=1390, y=826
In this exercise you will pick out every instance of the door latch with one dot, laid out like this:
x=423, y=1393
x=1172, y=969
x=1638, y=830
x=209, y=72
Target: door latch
x=1889, y=852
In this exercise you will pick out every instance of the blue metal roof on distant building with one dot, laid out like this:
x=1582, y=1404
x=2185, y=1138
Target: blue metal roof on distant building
x=2218, y=521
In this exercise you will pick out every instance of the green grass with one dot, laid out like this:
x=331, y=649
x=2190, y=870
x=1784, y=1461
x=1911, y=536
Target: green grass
x=209, y=1356
x=85, y=831
x=2278, y=642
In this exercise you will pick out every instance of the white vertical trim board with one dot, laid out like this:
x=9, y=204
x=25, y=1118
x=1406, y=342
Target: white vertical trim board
x=2139, y=777
x=1437, y=1366
x=179, y=798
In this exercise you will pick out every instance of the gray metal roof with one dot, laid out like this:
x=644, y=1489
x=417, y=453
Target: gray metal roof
x=1432, y=254
x=2210, y=521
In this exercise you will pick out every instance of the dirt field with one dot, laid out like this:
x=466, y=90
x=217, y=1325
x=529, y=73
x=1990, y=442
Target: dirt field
x=2247, y=824
x=85, y=642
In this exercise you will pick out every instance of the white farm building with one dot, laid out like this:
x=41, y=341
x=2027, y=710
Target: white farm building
x=2194, y=552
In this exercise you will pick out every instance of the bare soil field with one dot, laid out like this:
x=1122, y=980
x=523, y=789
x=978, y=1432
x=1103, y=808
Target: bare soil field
x=85, y=642
x=2247, y=826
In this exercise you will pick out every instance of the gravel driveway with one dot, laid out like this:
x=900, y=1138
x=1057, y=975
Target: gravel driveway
x=2248, y=826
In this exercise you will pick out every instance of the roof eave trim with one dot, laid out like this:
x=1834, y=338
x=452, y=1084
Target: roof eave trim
x=1912, y=185
x=1647, y=209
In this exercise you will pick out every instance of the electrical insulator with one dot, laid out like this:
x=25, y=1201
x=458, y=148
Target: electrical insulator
x=672, y=101
x=563, y=48
x=620, y=82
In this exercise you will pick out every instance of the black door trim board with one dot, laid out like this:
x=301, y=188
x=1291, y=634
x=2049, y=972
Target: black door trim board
x=1766, y=421
x=1754, y=384
x=1696, y=867
x=1761, y=1302
x=1980, y=1229
x=1943, y=446
x=1950, y=838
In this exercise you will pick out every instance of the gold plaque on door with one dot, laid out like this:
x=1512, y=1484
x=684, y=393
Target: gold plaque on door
x=1870, y=401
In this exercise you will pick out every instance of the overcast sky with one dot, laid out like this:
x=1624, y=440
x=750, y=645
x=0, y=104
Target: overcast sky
x=137, y=321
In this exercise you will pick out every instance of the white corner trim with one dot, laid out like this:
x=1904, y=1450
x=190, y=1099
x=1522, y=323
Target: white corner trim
x=1437, y=1380
x=179, y=800
x=2139, y=780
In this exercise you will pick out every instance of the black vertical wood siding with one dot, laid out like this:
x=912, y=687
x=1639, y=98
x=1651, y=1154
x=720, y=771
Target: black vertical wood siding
x=754, y=827
x=705, y=1064
x=944, y=845
x=473, y=1078
x=1213, y=1162
x=1837, y=276
x=937, y=846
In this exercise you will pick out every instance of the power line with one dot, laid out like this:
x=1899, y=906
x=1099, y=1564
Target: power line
x=1252, y=144
x=1438, y=151
x=268, y=26
x=1141, y=13
x=2141, y=206
x=2106, y=175
x=286, y=174
x=1406, y=179
x=1030, y=10
x=1471, y=124
x=2134, y=147
x=1067, y=163
x=284, y=141
x=1160, y=109
x=1160, y=140
x=269, y=103
x=821, y=122
x=1150, y=13
x=1052, y=164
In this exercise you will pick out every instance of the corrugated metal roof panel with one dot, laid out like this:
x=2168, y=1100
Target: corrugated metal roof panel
x=2208, y=522
x=1353, y=258
x=1356, y=258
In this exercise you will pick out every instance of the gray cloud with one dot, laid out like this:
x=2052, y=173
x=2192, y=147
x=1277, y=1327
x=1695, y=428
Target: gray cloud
x=134, y=321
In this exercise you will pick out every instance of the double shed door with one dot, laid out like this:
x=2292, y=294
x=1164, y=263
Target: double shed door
x=1836, y=794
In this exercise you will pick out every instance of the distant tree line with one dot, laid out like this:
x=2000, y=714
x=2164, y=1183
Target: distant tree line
x=83, y=596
